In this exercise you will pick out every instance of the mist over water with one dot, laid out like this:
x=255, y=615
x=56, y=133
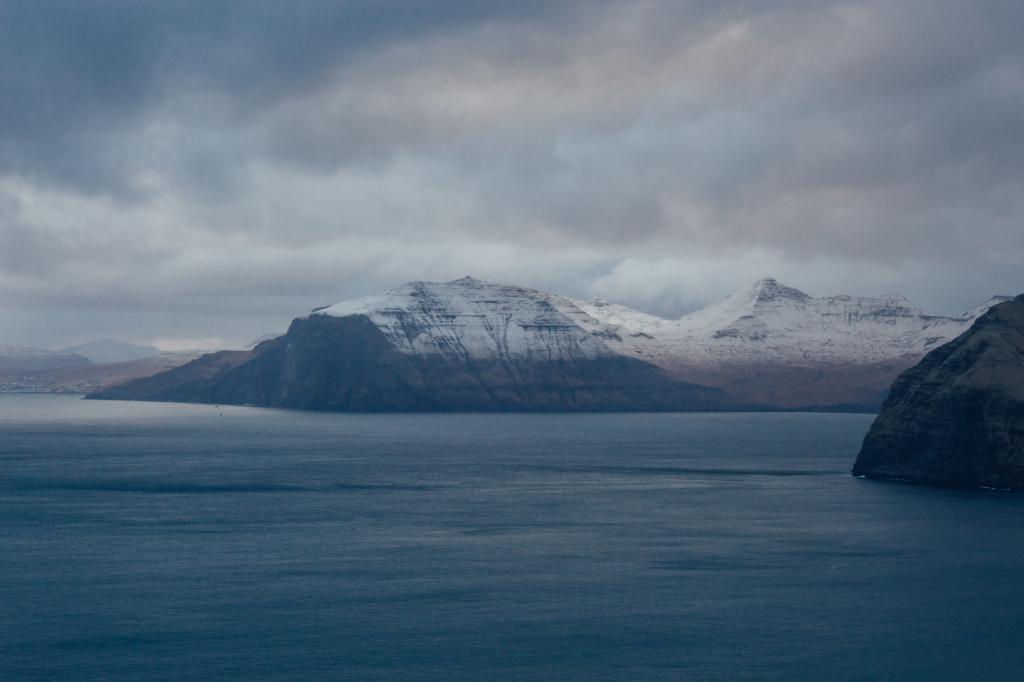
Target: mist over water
x=157, y=541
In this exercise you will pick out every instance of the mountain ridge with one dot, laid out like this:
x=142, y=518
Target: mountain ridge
x=21, y=360
x=768, y=345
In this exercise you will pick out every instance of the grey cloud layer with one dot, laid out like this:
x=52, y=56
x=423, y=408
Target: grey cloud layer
x=221, y=156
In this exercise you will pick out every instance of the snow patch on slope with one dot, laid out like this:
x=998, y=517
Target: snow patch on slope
x=979, y=310
x=477, y=320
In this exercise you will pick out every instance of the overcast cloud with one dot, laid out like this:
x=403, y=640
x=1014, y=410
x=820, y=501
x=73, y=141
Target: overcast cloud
x=202, y=172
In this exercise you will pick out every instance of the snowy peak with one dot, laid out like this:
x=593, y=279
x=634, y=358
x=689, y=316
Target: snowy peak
x=770, y=322
x=476, y=320
x=769, y=308
x=748, y=311
x=768, y=291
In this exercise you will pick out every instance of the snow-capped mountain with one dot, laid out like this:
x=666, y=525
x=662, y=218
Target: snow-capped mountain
x=430, y=346
x=474, y=345
x=770, y=323
x=477, y=320
x=767, y=322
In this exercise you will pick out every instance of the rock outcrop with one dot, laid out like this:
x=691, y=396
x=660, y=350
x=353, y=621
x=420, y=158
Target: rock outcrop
x=957, y=417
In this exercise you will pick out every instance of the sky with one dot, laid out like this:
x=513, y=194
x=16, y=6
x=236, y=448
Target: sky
x=197, y=174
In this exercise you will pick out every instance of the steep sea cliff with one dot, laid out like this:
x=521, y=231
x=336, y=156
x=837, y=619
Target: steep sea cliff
x=957, y=417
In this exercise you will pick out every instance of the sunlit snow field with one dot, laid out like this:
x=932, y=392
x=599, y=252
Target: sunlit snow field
x=149, y=541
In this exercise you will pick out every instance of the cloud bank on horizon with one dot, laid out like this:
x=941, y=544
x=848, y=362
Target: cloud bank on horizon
x=191, y=169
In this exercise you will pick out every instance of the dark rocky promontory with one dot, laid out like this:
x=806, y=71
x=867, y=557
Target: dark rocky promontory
x=347, y=364
x=957, y=417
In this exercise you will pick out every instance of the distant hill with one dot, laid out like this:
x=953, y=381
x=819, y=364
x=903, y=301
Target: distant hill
x=20, y=360
x=109, y=350
x=83, y=378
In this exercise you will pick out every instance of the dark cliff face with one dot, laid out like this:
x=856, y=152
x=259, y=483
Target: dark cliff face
x=957, y=418
x=347, y=364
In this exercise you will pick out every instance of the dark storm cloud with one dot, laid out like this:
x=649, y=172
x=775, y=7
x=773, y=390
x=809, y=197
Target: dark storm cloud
x=257, y=157
x=78, y=75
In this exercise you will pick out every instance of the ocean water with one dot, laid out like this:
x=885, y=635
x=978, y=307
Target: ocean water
x=156, y=541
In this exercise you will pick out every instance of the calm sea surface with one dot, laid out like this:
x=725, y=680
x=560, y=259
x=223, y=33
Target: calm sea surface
x=151, y=541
